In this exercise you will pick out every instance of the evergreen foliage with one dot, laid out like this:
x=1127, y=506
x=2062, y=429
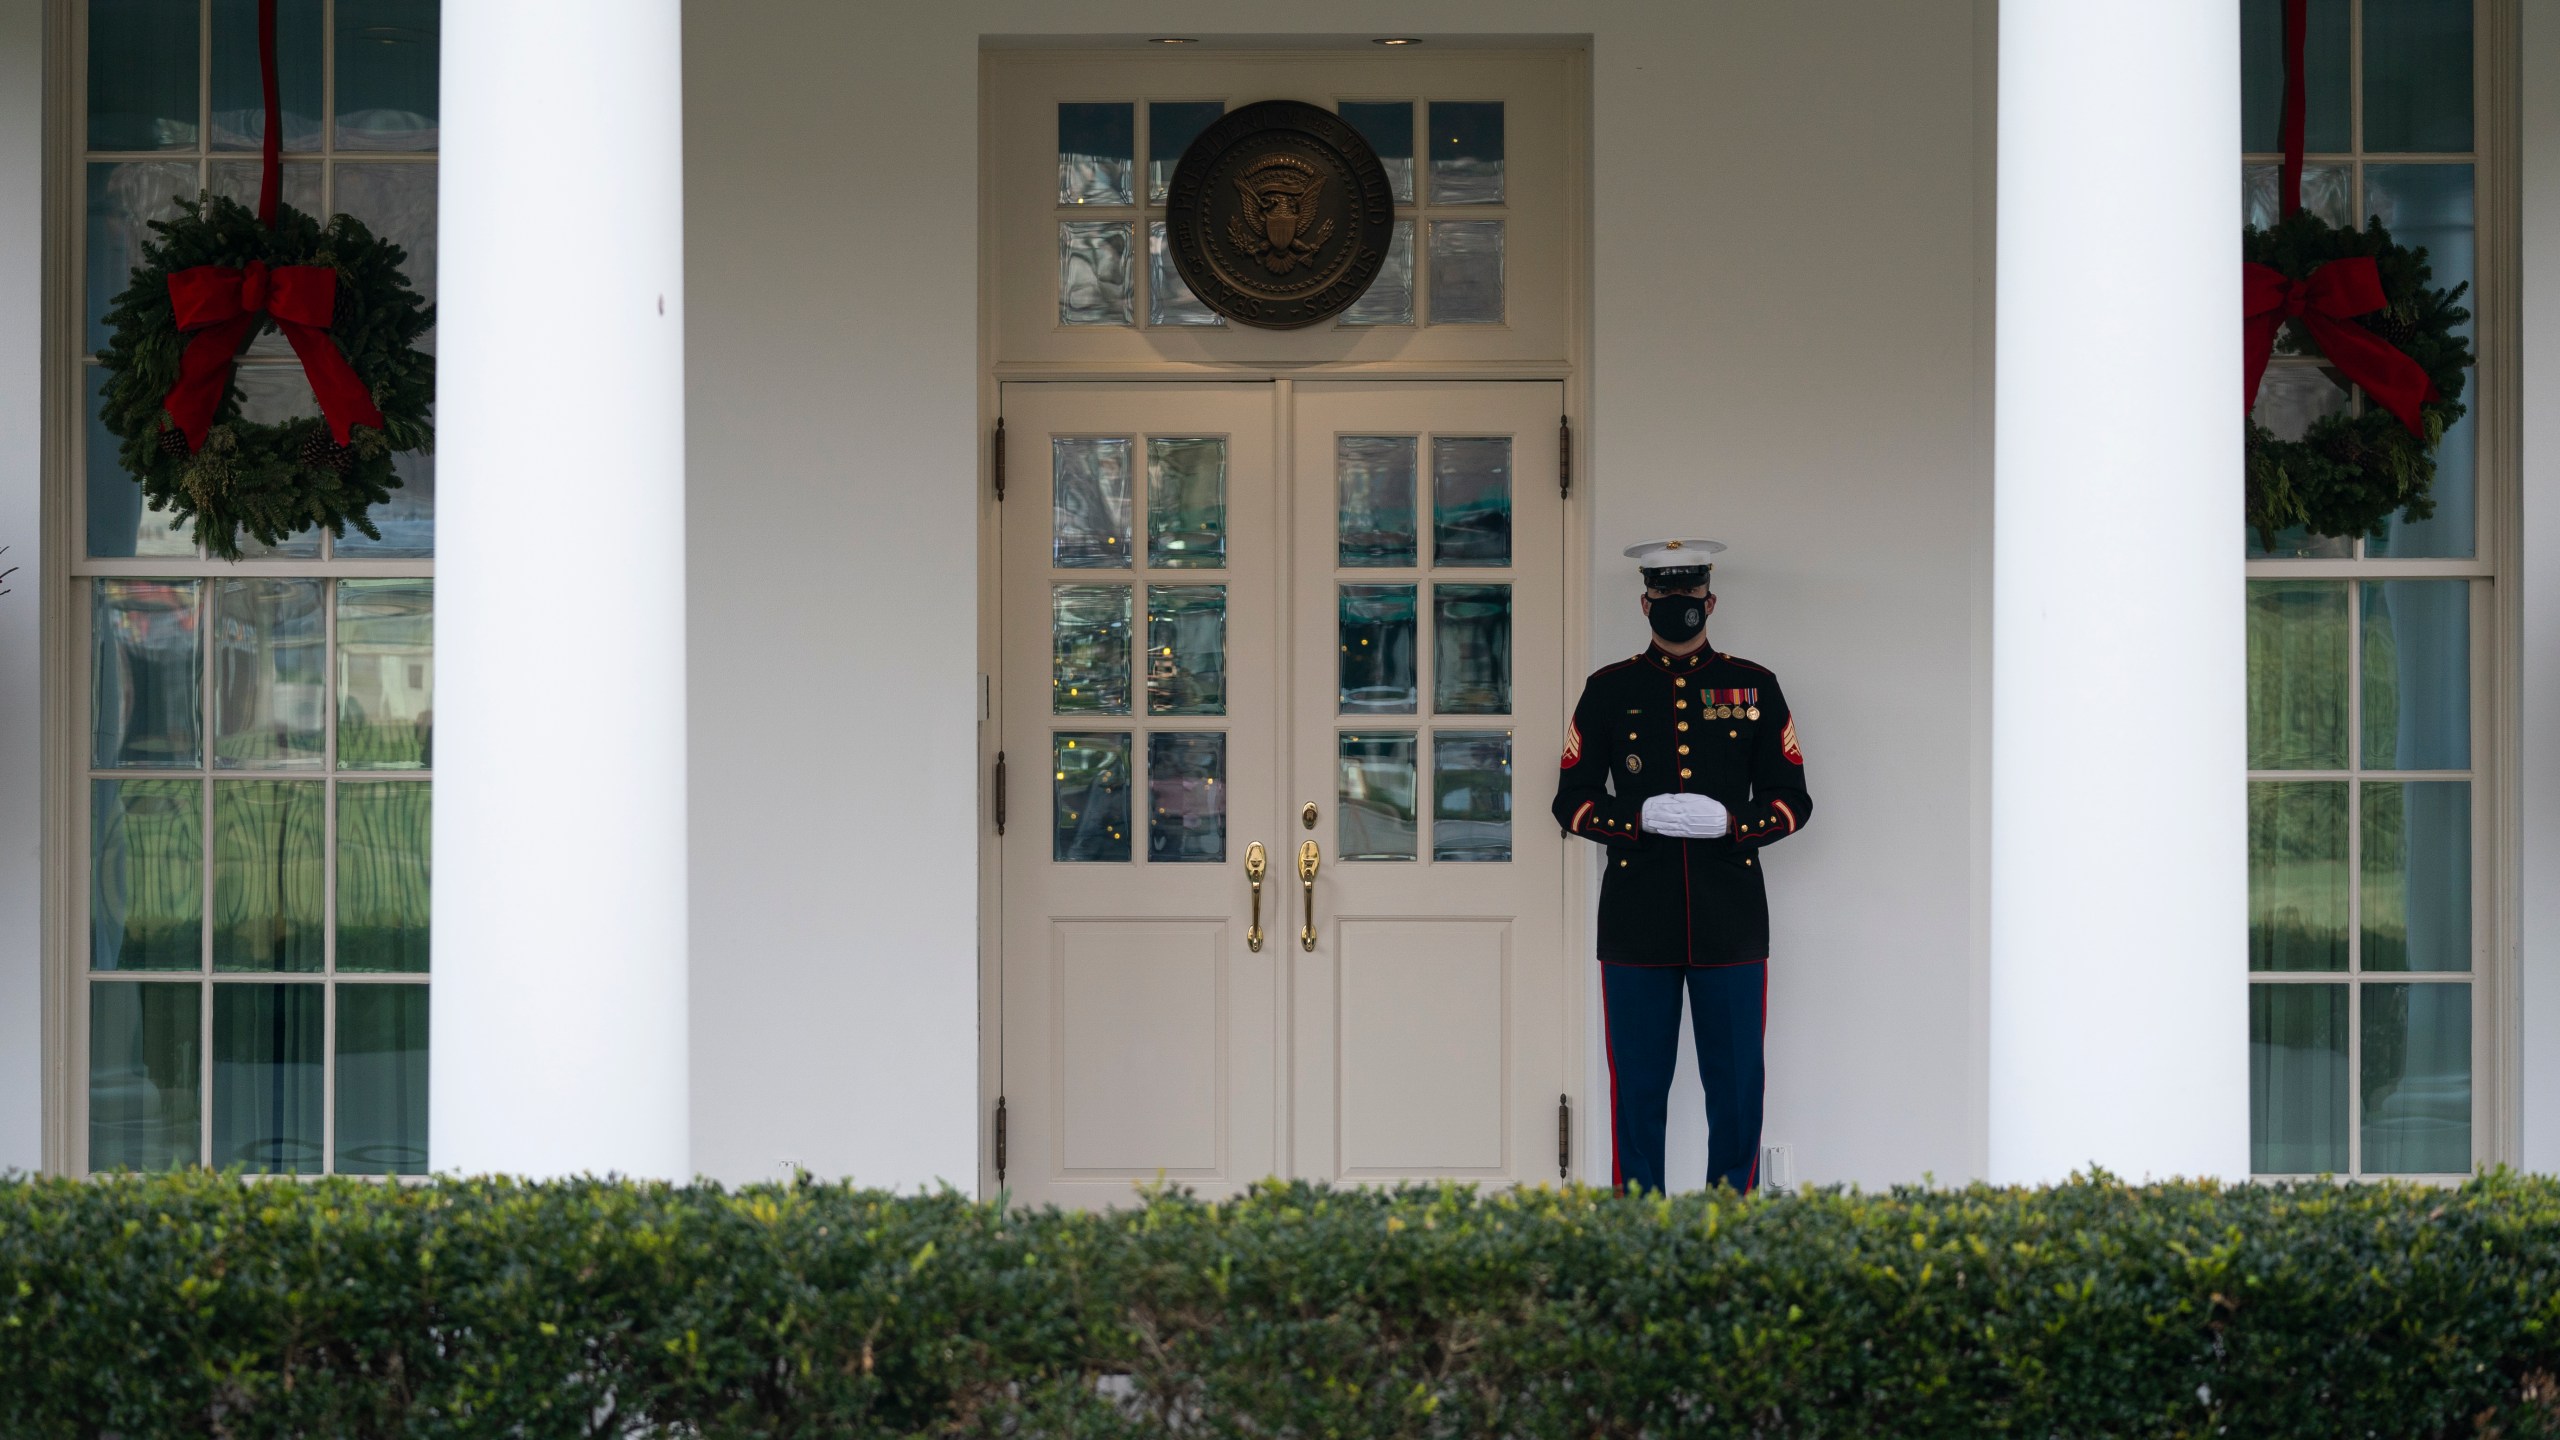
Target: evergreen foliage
x=197, y=1304
x=2350, y=473
x=269, y=481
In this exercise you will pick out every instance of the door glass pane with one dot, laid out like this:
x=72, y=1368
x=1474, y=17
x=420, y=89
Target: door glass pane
x=2328, y=191
x=1471, y=649
x=1389, y=298
x=386, y=674
x=142, y=74
x=2297, y=1079
x=145, y=704
x=270, y=673
x=2417, y=1079
x=382, y=1079
x=2452, y=532
x=1466, y=272
x=1093, y=272
x=267, y=842
x=1089, y=650
x=1187, y=797
x=2417, y=74
x=2417, y=875
x=1186, y=503
x=1471, y=500
x=1097, y=148
x=2325, y=98
x=2298, y=674
x=2417, y=674
x=1471, y=795
x=398, y=203
x=1377, y=673
x=384, y=835
x=266, y=1078
x=239, y=107
x=1374, y=521
x=1186, y=649
x=146, y=874
x=1374, y=800
x=1388, y=127
x=1171, y=127
x=2298, y=875
x=1170, y=300
x=146, y=1054
x=2433, y=206
x=118, y=525
x=1089, y=808
x=1466, y=152
x=123, y=201
x=388, y=51
x=1089, y=504
x=2291, y=398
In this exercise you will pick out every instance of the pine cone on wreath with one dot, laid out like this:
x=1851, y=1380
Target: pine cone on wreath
x=321, y=452
x=173, y=442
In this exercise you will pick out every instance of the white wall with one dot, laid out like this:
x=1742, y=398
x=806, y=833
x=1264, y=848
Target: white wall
x=2538, y=1007
x=21, y=669
x=1789, y=250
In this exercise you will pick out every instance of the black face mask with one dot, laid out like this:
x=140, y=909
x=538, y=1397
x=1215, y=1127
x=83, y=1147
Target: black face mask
x=1678, y=618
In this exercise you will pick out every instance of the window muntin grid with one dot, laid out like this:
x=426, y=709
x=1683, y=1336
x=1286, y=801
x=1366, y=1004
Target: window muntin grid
x=380, y=165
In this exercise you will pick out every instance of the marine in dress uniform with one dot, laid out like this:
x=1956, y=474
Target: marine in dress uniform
x=1683, y=763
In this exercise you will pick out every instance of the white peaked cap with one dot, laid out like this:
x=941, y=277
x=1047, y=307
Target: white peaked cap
x=1670, y=554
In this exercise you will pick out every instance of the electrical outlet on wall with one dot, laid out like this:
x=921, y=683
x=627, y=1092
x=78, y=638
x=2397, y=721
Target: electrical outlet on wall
x=1778, y=1169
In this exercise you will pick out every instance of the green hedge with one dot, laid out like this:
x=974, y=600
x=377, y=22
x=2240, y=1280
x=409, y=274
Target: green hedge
x=201, y=1305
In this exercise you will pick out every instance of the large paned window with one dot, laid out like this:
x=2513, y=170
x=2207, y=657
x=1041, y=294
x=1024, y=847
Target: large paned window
x=2369, y=656
x=255, y=811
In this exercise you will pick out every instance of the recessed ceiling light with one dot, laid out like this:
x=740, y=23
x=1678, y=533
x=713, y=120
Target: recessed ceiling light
x=1174, y=40
x=1396, y=40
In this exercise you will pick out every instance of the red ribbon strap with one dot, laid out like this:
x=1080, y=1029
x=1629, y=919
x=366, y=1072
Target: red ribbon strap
x=2326, y=304
x=219, y=308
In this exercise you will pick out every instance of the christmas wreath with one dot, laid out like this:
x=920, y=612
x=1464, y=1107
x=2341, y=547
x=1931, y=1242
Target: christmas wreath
x=2362, y=303
x=217, y=277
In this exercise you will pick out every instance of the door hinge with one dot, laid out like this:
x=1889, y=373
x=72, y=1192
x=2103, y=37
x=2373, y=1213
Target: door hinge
x=1564, y=1137
x=1564, y=456
x=995, y=458
x=999, y=792
x=999, y=1140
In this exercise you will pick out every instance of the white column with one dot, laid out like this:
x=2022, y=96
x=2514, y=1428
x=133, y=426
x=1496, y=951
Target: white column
x=559, y=1040
x=2119, y=1001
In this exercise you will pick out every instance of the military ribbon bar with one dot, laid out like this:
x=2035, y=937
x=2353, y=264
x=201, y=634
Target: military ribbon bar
x=1733, y=697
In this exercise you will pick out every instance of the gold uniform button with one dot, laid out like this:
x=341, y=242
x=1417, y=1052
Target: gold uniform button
x=1680, y=684
x=1684, y=774
x=1683, y=725
x=1684, y=749
x=1622, y=864
x=1746, y=861
x=1679, y=704
x=1733, y=734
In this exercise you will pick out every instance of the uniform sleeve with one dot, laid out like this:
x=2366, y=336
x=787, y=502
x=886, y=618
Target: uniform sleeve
x=1584, y=805
x=1779, y=804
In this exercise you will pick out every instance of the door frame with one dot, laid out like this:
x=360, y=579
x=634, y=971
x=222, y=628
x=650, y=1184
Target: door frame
x=1571, y=370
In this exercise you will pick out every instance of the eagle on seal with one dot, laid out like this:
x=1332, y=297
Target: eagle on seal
x=1279, y=197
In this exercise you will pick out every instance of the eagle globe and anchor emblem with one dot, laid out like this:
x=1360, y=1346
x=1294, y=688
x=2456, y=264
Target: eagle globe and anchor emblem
x=1279, y=215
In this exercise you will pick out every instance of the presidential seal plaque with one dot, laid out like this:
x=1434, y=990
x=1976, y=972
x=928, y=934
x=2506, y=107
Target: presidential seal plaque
x=1279, y=215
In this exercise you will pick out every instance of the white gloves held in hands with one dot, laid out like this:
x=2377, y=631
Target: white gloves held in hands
x=1687, y=817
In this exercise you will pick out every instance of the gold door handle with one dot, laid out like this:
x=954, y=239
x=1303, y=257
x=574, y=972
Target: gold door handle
x=1308, y=859
x=1257, y=863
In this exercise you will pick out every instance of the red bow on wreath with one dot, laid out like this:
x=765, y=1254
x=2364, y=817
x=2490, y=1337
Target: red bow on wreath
x=2326, y=304
x=218, y=307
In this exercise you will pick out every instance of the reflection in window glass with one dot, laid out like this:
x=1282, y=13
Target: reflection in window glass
x=1466, y=152
x=388, y=53
x=1186, y=502
x=145, y=685
x=1388, y=127
x=124, y=200
x=1089, y=505
x=1466, y=272
x=2417, y=75
x=1374, y=521
x=2416, y=1085
x=1471, y=649
x=117, y=523
x=1389, y=298
x=1374, y=798
x=1093, y=272
x=1471, y=795
x=2298, y=875
x=270, y=673
x=2433, y=206
x=2452, y=532
x=1089, y=649
x=1089, y=806
x=2297, y=1079
x=386, y=674
x=1097, y=146
x=266, y=1078
x=382, y=1080
x=1171, y=127
x=2325, y=98
x=239, y=105
x=2298, y=638
x=2416, y=866
x=1186, y=649
x=146, y=1050
x=1169, y=297
x=1187, y=797
x=2328, y=191
x=1376, y=640
x=2417, y=674
x=146, y=875
x=1471, y=500
x=385, y=835
x=268, y=836
x=142, y=74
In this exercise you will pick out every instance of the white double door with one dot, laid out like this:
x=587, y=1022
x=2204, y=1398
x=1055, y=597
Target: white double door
x=1320, y=619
